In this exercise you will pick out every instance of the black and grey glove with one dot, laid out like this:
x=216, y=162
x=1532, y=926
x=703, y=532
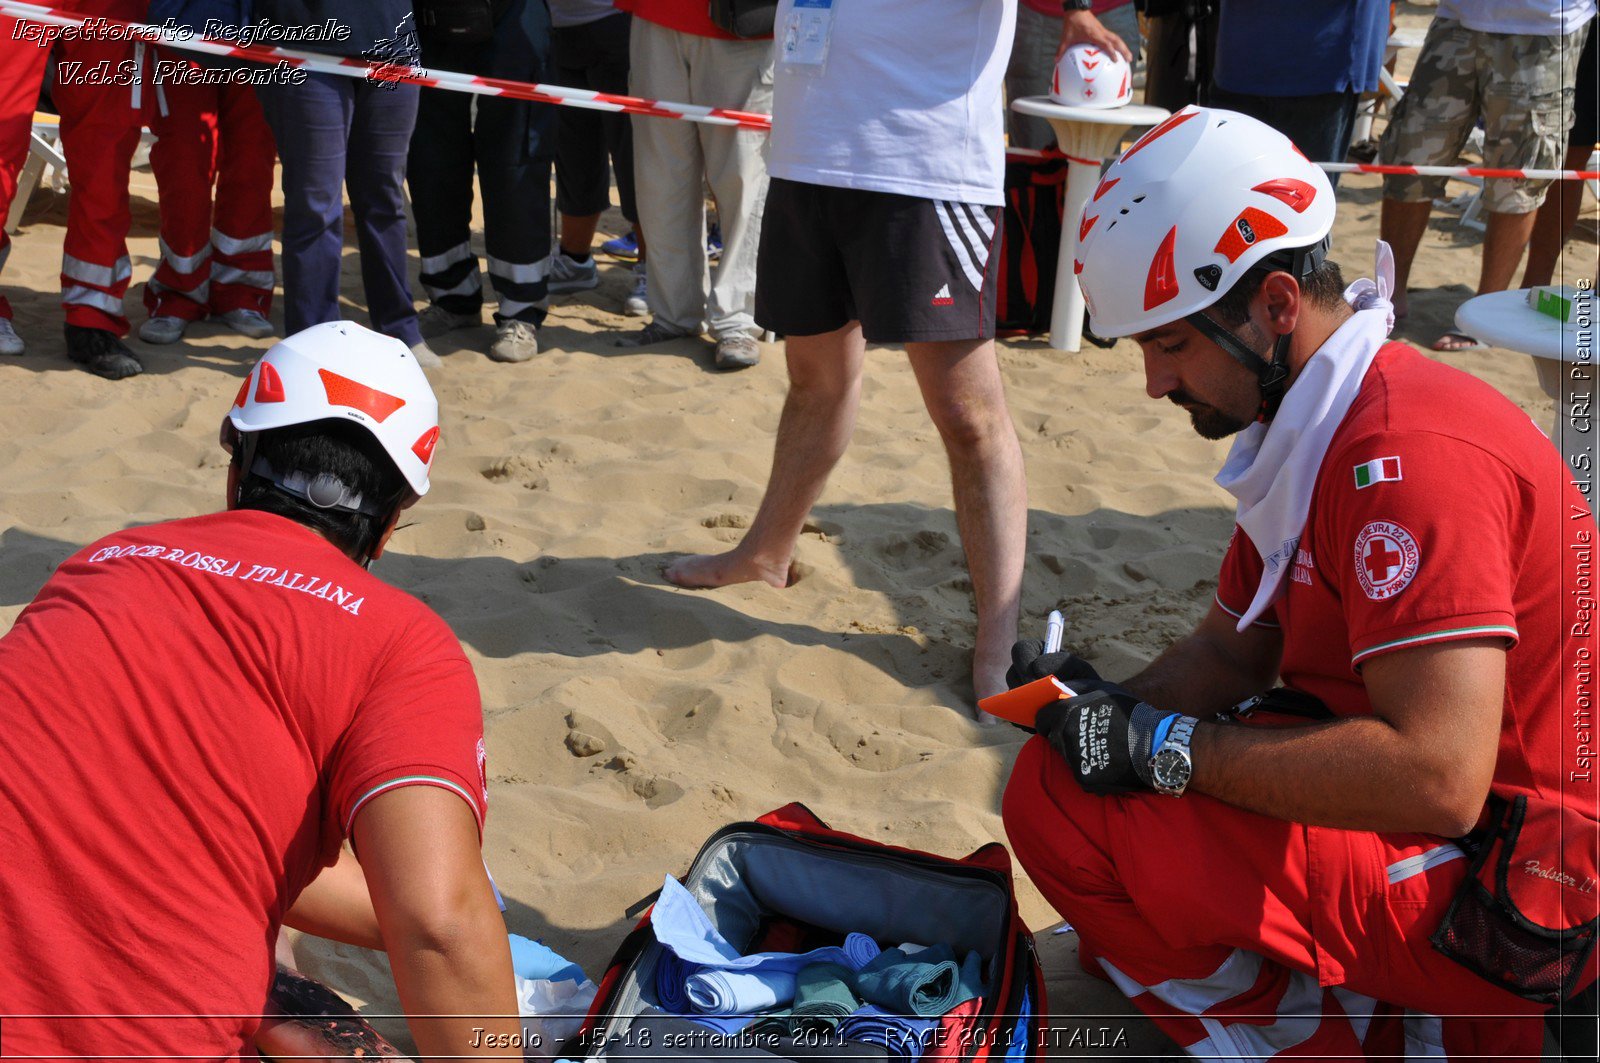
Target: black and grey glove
x=1029, y=662
x=1106, y=735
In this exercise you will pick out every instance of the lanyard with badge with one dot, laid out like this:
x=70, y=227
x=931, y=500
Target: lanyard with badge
x=805, y=36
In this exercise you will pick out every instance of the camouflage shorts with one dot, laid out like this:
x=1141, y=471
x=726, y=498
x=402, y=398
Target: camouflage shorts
x=1519, y=84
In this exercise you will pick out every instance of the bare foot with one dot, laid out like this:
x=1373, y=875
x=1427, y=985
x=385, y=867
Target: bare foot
x=989, y=673
x=700, y=571
x=1457, y=341
x=1402, y=305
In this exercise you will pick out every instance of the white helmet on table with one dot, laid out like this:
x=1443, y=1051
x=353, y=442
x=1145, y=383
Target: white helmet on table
x=1195, y=204
x=1087, y=76
x=342, y=372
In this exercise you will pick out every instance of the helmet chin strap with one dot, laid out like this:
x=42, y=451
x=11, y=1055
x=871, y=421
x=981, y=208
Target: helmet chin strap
x=1272, y=377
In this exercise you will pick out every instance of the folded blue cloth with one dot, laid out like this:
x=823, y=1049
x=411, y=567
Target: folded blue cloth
x=928, y=983
x=672, y=983
x=536, y=961
x=861, y=949
x=682, y=927
x=726, y=1025
x=739, y=992
x=906, y=1037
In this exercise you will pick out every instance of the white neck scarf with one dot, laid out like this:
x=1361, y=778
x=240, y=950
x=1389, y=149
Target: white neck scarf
x=1273, y=467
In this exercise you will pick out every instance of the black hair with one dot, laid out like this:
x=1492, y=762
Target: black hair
x=1323, y=287
x=341, y=448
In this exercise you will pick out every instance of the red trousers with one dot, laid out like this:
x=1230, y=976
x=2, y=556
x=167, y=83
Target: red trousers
x=216, y=255
x=1247, y=937
x=101, y=117
x=21, y=71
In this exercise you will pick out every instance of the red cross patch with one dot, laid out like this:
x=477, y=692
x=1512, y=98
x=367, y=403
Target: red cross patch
x=1386, y=558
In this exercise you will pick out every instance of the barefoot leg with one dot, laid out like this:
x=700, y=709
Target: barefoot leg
x=960, y=382
x=818, y=417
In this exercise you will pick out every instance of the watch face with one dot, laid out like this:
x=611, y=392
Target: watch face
x=1171, y=769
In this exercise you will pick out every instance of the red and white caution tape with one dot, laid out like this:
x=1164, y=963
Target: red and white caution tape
x=602, y=101
x=406, y=75
x=1461, y=171
x=1372, y=167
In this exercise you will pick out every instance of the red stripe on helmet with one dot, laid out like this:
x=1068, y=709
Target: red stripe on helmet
x=342, y=391
x=1162, y=282
x=1158, y=132
x=244, y=391
x=1105, y=186
x=1085, y=224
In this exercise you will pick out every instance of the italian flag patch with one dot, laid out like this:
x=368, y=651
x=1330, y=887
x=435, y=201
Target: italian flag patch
x=1376, y=472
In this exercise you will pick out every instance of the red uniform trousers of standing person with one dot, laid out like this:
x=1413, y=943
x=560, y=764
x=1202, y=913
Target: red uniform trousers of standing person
x=1247, y=937
x=21, y=71
x=100, y=122
x=216, y=256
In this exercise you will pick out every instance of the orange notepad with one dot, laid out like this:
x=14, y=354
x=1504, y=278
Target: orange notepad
x=1022, y=704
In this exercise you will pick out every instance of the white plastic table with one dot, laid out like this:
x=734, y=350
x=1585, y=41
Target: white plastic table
x=1504, y=319
x=1087, y=136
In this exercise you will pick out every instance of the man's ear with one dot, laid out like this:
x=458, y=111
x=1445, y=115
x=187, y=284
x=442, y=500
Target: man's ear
x=1276, y=307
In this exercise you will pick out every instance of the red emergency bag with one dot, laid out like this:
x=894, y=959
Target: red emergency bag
x=791, y=869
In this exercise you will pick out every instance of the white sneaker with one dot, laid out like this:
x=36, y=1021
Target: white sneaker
x=163, y=329
x=567, y=274
x=247, y=322
x=516, y=342
x=637, y=304
x=10, y=342
x=425, y=356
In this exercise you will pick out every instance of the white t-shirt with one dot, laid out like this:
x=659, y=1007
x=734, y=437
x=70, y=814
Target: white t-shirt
x=908, y=99
x=1546, y=18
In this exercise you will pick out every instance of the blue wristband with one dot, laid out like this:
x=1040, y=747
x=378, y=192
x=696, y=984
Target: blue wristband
x=1161, y=732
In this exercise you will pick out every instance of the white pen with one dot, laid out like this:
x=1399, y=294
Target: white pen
x=1055, y=629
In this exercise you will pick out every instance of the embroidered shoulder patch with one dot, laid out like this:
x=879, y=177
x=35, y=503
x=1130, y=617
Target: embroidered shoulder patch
x=1386, y=559
x=1376, y=472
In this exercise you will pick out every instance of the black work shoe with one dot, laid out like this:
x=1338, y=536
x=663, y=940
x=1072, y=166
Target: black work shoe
x=101, y=353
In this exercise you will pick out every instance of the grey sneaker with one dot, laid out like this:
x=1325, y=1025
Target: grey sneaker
x=516, y=341
x=737, y=351
x=567, y=274
x=248, y=323
x=651, y=334
x=425, y=356
x=637, y=304
x=10, y=342
x=435, y=321
x=163, y=330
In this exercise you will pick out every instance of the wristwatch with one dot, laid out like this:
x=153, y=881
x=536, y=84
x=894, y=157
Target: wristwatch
x=1076, y=5
x=1172, y=766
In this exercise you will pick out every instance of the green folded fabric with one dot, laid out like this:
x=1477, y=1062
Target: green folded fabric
x=823, y=995
x=927, y=984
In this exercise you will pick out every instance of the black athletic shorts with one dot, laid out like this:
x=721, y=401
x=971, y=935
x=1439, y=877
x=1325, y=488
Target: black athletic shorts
x=908, y=269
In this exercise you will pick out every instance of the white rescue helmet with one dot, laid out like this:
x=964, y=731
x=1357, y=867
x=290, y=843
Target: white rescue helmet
x=340, y=371
x=1188, y=210
x=1087, y=76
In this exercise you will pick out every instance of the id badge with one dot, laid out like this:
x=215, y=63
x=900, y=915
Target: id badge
x=805, y=36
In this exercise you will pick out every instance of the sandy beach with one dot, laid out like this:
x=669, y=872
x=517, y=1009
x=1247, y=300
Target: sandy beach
x=627, y=719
